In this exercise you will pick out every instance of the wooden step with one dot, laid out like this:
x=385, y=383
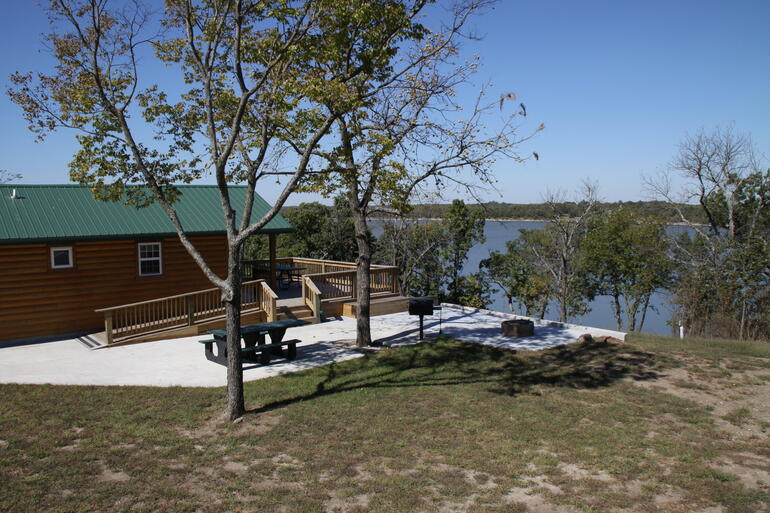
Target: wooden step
x=300, y=313
x=379, y=306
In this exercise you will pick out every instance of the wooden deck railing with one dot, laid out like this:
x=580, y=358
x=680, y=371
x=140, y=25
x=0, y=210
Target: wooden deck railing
x=124, y=321
x=383, y=279
x=322, y=280
x=254, y=269
x=269, y=301
x=332, y=279
x=335, y=284
x=317, y=266
x=312, y=297
x=344, y=284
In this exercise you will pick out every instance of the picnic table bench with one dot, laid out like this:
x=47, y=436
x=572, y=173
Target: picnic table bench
x=255, y=347
x=288, y=274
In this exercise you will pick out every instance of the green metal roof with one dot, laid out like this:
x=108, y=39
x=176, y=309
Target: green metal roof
x=43, y=213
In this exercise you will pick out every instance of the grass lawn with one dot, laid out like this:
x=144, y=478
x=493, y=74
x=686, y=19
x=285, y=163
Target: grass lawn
x=652, y=425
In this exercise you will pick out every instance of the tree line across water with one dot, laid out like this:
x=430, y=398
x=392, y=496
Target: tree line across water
x=544, y=211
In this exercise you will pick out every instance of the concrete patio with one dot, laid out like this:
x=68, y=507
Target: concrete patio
x=180, y=362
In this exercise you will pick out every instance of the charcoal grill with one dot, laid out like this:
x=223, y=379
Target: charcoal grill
x=421, y=306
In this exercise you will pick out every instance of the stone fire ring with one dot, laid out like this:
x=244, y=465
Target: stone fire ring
x=518, y=328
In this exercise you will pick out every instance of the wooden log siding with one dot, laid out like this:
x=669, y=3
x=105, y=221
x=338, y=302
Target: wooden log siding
x=36, y=300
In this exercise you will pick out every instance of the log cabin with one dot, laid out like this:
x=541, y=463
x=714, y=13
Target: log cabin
x=64, y=255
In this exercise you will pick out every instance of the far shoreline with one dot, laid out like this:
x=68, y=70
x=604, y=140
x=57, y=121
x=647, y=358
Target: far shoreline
x=509, y=219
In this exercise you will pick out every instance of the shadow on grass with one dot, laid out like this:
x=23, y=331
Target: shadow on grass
x=585, y=365
x=447, y=362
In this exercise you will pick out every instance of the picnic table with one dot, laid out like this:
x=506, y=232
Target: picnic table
x=255, y=348
x=287, y=274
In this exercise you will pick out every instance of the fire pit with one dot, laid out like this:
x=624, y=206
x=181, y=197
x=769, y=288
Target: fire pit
x=518, y=328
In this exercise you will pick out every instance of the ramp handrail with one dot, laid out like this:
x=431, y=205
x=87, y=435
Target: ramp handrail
x=188, y=309
x=312, y=297
x=268, y=301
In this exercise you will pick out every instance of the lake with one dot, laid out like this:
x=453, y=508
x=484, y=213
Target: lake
x=497, y=233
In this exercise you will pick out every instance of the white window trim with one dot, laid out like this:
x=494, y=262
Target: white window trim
x=159, y=258
x=68, y=249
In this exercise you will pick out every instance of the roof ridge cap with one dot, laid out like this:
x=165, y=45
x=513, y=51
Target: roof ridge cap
x=83, y=186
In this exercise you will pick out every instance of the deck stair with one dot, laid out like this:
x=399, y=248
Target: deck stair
x=293, y=309
x=380, y=305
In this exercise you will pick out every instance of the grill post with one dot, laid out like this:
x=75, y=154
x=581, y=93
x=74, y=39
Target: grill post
x=421, y=317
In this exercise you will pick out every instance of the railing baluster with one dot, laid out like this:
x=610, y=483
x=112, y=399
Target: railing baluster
x=108, y=326
x=190, y=310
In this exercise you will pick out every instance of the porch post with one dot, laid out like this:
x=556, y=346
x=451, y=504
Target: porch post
x=108, y=326
x=273, y=278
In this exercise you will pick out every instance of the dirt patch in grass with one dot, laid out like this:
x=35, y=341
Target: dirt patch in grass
x=751, y=476
x=107, y=475
x=354, y=503
x=574, y=472
x=525, y=499
x=218, y=426
x=740, y=404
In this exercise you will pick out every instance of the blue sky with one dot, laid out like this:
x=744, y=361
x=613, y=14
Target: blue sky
x=618, y=84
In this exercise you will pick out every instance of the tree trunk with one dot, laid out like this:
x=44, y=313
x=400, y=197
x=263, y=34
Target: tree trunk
x=618, y=315
x=631, y=309
x=363, y=299
x=563, y=289
x=363, y=286
x=743, y=319
x=454, y=287
x=731, y=215
x=235, y=403
x=644, y=311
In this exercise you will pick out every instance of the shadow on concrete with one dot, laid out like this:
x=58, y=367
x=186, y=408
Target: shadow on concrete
x=308, y=357
x=45, y=339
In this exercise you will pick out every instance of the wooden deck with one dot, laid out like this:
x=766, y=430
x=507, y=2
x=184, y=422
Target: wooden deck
x=379, y=306
x=325, y=288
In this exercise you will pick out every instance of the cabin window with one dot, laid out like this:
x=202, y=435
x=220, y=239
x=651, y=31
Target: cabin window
x=61, y=258
x=150, y=259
